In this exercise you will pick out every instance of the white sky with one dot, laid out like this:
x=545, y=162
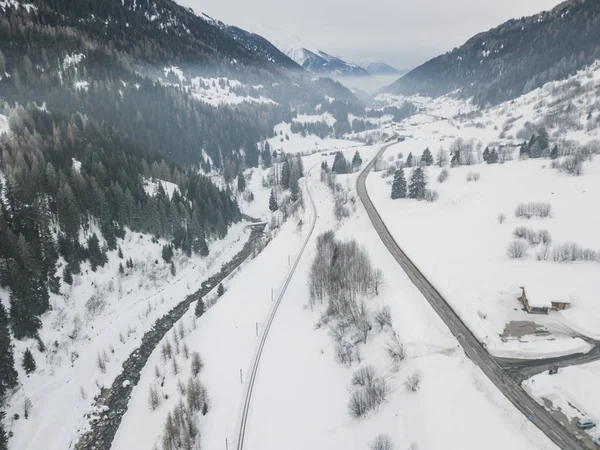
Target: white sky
x=403, y=33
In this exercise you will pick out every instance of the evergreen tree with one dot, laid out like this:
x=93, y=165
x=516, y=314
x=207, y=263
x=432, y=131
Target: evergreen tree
x=251, y=153
x=554, y=152
x=24, y=322
x=486, y=155
x=427, y=157
x=455, y=161
x=8, y=374
x=418, y=184
x=200, y=308
x=167, y=252
x=524, y=150
x=543, y=139
x=241, y=183
x=3, y=435
x=67, y=275
x=492, y=157
x=273, y=201
x=266, y=156
x=96, y=255
x=173, y=270
x=299, y=166
x=294, y=186
x=68, y=211
x=356, y=161
x=285, y=174
x=324, y=166
x=399, y=185
x=409, y=160
x=120, y=253
x=220, y=290
x=28, y=362
x=340, y=165
x=121, y=269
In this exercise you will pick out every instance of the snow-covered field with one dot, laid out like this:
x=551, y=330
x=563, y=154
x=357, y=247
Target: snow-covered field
x=460, y=245
x=289, y=142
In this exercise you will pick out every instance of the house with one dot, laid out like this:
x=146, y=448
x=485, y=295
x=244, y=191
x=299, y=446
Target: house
x=541, y=308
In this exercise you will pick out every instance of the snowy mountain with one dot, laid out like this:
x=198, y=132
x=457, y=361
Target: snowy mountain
x=379, y=68
x=513, y=58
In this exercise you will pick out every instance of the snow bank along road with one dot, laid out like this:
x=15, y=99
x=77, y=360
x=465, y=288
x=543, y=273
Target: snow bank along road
x=254, y=369
x=472, y=347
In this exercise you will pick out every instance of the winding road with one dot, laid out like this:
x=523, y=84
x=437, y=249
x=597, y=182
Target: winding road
x=247, y=399
x=472, y=347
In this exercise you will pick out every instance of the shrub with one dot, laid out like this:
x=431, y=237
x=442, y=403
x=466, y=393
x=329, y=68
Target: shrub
x=395, y=349
x=382, y=442
x=413, y=381
x=533, y=209
x=517, y=249
x=533, y=237
x=364, y=376
x=473, y=176
x=383, y=317
x=431, y=195
x=443, y=175
x=572, y=252
x=358, y=405
x=573, y=165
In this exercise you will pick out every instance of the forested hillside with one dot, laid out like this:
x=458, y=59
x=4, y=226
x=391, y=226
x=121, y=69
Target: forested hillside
x=514, y=58
x=96, y=99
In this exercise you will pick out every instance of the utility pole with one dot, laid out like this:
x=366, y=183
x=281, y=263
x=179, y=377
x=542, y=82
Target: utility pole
x=241, y=379
x=226, y=444
x=256, y=329
x=271, y=294
x=288, y=260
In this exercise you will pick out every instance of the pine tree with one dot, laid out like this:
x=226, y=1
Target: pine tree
x=8, y=374
x=220, y=290
x=173, y=270
x=554, y=152
x=486, y=155
x=96, y=255
x=67, y=275
x=324, y=166
x=399, y=185
x=28, y=362
x=418, y=184
x=3, y=435
x=543, y=139
x=409, y=160
x=356, y=161
x=266, y=156
x=285, y=174
x=121, y=269
x=340, y=165
x=492, y=157
x=427, y=157
x=294, y=184
x=120, y=253
x=241, y=183
x=524, y=150
x=273, y=201
x=200, y=308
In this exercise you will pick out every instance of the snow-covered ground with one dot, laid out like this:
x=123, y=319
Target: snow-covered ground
x=102, y=316
x=573, y=390
x=460, y=245
x=301, y=393
x=289, y=142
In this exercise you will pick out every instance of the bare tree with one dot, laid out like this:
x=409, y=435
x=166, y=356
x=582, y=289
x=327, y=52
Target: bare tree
x=364, y=376
x=153, y=398
x=517, y=249
x=382, y=442
x=441, y=158
x=358, y=405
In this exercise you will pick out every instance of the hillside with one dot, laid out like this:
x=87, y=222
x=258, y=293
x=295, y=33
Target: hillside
x=513, y=58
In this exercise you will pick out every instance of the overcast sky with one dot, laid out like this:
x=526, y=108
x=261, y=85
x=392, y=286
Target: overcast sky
x=403, y=33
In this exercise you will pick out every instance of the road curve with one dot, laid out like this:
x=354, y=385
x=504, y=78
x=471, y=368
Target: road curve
x=472, y=347
x=263, y=339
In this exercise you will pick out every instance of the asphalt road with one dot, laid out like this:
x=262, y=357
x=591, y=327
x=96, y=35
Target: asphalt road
x=245, y=413
x=472, y=347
